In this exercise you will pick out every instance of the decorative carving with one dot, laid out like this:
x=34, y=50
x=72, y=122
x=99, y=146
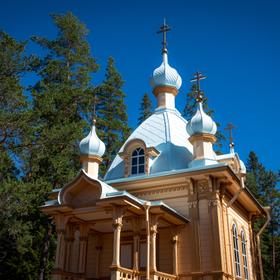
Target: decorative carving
x=202, y=186
x=175, y=239
x=189, y=183
x=192, y=204
x=163, y=190
x=117, y=224
x=213, y=202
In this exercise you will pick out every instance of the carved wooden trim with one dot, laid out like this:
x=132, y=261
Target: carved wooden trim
x=168, y=89
x=90, y=158
x=203, y=137
x=162, y=190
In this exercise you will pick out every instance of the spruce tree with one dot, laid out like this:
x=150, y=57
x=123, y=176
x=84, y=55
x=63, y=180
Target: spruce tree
x=18, y=227
x=263, y=184
x=190, y=110
x=111, y=113
x=145, y=108
x=13, y=103
x=61, y=100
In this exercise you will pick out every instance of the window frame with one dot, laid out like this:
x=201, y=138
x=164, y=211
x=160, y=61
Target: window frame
x=236, y=251
x=138, y=154
x=244, y=255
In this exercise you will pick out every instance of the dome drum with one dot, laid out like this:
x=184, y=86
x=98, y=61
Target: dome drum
x=165, y=89
x=205, y=137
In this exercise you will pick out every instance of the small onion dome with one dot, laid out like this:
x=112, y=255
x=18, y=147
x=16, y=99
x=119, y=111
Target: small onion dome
x=165, y=75
x=92, y=145
x=201, y=123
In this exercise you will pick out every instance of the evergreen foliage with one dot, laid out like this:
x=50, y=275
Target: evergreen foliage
x=13, y=103
x=263, y=184
x=112, y=123
x=43, y=134
x=145, y=108
x=61, y=98
x=190, y=110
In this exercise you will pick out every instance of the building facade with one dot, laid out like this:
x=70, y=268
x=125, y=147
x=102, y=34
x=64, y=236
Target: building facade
x=168, y=207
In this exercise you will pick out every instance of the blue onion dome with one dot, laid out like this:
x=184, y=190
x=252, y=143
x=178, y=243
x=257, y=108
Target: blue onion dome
x=201, y=123
x=165, y=75
x=92, y=145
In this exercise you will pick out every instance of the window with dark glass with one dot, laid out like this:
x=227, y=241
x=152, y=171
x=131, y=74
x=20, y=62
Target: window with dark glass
x=138, y=161
x=244, y=256
x=236, y=251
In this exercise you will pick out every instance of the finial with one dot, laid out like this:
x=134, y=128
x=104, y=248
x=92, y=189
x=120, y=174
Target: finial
x=197, y=78
x=230, y=127
x=95, y=99
x=164, y=29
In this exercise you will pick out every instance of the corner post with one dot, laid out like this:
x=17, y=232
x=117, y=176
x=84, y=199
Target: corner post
x=154, y=225
x=83, y=247
x=117, y=225
x=175, y=239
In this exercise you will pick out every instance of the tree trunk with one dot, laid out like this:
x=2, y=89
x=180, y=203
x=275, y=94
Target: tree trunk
x=45, y=252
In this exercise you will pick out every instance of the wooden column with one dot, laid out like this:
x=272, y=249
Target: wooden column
x=98, y=248
x=175, y=253
x=60, y=248
x=136, y=243
x=153, y=231
x=61, y=223
x=117, y=225
x=83, y=247
x=69, y=239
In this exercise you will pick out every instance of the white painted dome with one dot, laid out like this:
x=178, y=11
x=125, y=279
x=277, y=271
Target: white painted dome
x=165, y=75
x=201, y=123
x=92, y=145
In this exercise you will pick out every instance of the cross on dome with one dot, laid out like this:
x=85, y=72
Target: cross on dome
x=165, y=79
x=200, y=123
x=197, y=78
x=230, y=128
x=95, y=100
x=164, y=29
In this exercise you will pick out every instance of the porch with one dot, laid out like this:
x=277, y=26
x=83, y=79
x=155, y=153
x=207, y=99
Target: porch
x=103, y=233
x=118, y=238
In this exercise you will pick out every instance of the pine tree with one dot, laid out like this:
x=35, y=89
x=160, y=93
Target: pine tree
x=111, y=113
x=190, y=110
x=145, y=108
x=13, y=103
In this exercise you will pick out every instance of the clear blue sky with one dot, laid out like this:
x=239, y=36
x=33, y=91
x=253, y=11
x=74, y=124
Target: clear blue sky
x=235, y=43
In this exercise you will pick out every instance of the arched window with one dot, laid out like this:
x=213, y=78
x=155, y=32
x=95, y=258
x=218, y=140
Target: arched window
x=138, y=161
x=236, y=251
x=244, y=255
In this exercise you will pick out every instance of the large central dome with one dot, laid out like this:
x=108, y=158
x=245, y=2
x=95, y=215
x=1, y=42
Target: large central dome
x=165, y=130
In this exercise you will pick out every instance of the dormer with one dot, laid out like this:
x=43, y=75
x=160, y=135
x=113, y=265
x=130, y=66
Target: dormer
x=138, y=158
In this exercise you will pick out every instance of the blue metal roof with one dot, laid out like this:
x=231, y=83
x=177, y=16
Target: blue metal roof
x=165, y=130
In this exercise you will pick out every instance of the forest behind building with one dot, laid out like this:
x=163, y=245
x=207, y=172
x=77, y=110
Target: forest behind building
x=41, y=125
